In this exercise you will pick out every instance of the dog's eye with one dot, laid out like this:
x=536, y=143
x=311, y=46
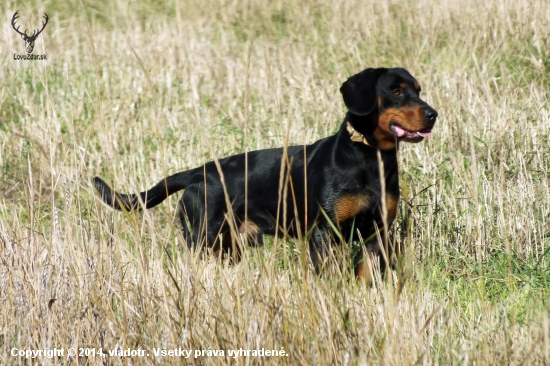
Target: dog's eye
x=396, y=92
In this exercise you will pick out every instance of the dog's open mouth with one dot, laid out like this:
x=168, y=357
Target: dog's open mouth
x=403, y=134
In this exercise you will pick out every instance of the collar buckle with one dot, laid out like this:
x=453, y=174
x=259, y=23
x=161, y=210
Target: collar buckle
x=356, y=136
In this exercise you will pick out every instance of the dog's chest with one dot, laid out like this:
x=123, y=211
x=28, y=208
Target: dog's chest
x=349, y=206
x=363, y=191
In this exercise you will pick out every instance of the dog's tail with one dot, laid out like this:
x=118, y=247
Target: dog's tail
x=150, y=198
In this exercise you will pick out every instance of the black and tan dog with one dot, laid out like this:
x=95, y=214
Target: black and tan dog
x=339, y=175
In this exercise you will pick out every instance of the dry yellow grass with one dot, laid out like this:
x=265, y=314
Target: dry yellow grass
x=135, y=90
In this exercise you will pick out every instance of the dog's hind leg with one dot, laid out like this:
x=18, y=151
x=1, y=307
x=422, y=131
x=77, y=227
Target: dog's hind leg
x=202, y=222
x=251, y=233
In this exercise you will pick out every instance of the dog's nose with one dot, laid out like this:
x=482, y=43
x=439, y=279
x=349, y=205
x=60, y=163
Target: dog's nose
x=431, y=115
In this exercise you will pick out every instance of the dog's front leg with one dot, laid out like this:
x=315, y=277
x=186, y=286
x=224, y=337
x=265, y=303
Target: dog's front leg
x=368, y=259
x=318, y=247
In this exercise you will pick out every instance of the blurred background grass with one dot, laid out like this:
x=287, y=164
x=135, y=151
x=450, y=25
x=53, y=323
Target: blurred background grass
x=135, y=90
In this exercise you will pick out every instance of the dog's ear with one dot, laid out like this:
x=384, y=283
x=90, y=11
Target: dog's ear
x=359, y=91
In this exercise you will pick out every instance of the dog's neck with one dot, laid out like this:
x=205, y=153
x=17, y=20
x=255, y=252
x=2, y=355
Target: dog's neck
x=361, y=130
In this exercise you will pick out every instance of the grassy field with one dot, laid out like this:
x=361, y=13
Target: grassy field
x=135, y=90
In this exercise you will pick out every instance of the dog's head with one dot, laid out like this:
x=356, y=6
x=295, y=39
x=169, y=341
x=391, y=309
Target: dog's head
x=391, y=98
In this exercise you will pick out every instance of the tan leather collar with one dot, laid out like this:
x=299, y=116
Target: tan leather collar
x=356, y=136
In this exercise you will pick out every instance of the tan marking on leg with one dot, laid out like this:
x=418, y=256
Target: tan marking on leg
x=249, y=227
x=250, y=232
x=364, y=271
x=391, y=206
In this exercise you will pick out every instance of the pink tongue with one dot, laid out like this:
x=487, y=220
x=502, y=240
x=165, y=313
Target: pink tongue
x=404, y=133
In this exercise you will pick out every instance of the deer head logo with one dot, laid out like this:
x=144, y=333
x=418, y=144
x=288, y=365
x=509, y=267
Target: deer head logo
x=29, y=40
